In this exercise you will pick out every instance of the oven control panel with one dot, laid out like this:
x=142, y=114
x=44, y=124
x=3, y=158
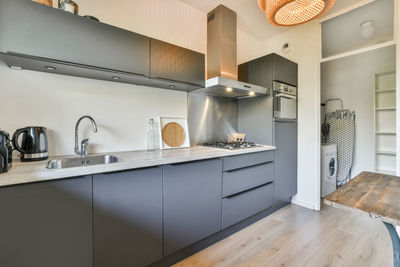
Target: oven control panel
x=284, y=88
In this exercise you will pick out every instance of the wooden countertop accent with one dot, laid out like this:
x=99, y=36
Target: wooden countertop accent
x=376, y=194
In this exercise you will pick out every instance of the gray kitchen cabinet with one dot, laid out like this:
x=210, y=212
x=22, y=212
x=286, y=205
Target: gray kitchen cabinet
x=127, y=215
x=285, y=183
x=44, y=32
x=242, y=179
x=246, y=160
x=284, y=70
x=264, y=70
x=177, y=64
x=192, y=202
x=47, y=224
x=240, y=206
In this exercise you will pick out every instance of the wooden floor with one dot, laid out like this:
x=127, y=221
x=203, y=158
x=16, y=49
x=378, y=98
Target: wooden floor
x=295, y=236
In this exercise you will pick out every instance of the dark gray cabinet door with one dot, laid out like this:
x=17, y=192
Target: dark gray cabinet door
x=285, y=182
x=262, y=71
x=127, y=214
x=177, y=64
x=284, y=70
x=258, y=71
x=47, y=224
x=45, y=32
x=192, y=202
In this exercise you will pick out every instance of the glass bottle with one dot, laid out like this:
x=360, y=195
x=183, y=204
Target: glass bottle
x=68, y=5
x=151, y=136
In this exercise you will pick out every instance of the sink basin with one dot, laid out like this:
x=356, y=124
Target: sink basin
x=81, y=161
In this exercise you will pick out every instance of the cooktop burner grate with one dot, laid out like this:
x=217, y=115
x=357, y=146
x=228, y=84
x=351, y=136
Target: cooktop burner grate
x=232, y=145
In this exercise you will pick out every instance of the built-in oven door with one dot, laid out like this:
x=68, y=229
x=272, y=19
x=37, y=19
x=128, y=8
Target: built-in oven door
x=285, y=106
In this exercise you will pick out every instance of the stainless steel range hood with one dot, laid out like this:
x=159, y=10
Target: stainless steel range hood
x=222, y=68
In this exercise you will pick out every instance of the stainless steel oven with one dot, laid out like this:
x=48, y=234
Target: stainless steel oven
x=285, y=101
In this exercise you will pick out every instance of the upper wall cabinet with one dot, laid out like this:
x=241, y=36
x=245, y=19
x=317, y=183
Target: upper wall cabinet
x=174, y=63
x=365, y=27
x=41, y=38
x=53, y=34
x=262, y=71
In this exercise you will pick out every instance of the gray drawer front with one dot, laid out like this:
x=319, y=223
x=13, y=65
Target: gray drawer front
x=242, y=206
x=236, y=181
x=240, y=161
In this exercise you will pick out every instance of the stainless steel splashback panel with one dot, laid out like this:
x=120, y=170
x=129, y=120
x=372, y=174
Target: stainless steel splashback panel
x=211, y=118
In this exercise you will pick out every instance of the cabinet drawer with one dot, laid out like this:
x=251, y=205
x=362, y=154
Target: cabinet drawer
x=251, y=159
x=242, y=206
x=239, y=180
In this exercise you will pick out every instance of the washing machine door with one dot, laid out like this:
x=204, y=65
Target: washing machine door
x=332, y=168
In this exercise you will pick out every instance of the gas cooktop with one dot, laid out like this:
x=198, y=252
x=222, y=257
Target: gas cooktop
x=232, y=145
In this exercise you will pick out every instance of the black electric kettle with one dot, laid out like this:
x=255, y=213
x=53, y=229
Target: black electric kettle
x=34, y=145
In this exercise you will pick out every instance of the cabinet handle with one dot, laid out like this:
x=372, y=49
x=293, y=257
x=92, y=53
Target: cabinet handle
x=188, y=162
x=248, y=167
x=248, y=190
x=128, y=170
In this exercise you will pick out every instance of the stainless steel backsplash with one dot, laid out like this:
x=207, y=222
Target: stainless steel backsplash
x=211, y=118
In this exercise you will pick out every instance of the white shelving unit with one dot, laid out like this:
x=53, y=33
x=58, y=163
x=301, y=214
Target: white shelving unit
x=385, y=122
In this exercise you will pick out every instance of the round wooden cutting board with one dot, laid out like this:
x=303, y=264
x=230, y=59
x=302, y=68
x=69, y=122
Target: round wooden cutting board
x=173, y=134
x=45, y=2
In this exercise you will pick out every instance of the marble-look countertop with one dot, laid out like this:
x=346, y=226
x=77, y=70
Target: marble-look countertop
x=28, y=172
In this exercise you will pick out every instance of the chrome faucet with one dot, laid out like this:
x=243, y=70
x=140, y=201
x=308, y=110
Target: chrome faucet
x=83, y=152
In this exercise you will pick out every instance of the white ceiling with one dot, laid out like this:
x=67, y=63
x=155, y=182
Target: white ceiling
x=250, y=18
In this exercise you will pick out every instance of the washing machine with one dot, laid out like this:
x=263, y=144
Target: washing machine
x=328, y=168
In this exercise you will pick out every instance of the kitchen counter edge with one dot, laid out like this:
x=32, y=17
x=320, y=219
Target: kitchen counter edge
x=30, y=172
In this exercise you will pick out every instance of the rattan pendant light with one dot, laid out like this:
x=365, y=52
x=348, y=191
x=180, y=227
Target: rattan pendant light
x=294, y=12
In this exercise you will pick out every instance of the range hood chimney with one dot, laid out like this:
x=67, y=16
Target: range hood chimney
x=222, y=68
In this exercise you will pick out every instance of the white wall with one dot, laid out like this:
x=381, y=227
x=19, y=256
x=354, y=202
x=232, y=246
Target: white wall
x=352, y=79
x=121, y=110
x=397, y=39
x=304, y=43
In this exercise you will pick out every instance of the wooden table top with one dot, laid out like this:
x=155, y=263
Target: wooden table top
x=375, y=194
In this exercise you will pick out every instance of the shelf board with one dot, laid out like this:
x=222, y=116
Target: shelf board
x=390, y=172
x=359, y=51
x=388, y=108
x=386, y=133
x=382, y=152
x=393, y=90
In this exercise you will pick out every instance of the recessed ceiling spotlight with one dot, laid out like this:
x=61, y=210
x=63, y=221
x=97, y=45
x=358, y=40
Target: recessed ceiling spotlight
x=251, y=93
x=116, y=78
x=229, y=89
x=171, y=86
x=49, y=68
x=367, y=28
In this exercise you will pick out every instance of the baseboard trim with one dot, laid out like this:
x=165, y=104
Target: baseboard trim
x=303, y=203
x=202, y=244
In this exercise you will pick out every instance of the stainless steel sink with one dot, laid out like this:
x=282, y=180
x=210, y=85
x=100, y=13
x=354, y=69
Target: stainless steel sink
x=81, y=161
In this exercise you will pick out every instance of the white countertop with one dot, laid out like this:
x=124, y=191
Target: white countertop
x=27, y=172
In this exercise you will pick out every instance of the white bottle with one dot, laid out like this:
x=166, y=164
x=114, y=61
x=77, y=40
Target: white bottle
x=151, y=136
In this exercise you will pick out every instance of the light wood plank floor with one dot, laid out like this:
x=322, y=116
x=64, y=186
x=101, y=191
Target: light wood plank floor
x=295, y=236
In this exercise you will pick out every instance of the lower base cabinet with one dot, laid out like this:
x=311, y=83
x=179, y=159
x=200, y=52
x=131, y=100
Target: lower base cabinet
x=192, y=202
x=243, y=205
x=285, y=160
x=47, y=224
x=127, y=214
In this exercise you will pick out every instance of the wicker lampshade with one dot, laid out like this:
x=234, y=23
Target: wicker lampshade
x=294, y=12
